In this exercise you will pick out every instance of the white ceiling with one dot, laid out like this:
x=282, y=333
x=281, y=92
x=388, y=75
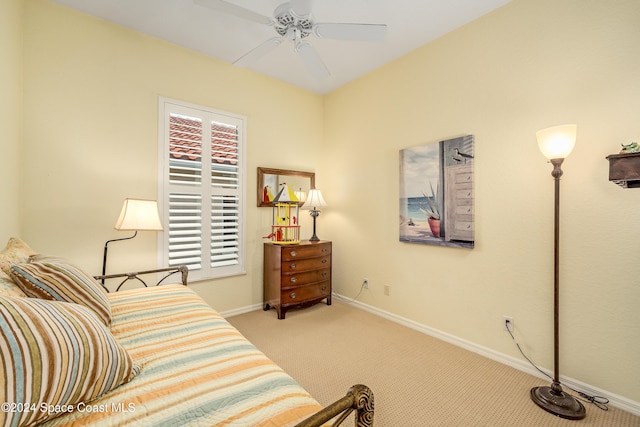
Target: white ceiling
x=410, y=24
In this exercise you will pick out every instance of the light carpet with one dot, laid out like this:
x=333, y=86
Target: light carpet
x=417, y=380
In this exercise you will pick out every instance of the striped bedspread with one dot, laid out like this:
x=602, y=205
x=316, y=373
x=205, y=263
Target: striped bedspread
x=196, y=369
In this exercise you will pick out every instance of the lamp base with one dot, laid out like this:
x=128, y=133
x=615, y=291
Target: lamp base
x=314, y=214
x=554, y=400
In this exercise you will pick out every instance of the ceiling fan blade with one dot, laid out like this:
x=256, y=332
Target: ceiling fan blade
x=358, y=32
x=313, y=61
x=301, y=8
x=232, y=9
x=258, y=52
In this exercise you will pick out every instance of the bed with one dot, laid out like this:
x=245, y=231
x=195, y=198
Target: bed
x=170, y=360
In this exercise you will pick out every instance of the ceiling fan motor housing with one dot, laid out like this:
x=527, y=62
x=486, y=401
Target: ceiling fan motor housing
x=287, y=21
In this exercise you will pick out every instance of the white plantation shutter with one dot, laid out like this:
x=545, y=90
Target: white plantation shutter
x=202, y=211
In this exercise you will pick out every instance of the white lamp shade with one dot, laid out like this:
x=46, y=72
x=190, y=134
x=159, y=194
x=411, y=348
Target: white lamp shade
x=557, y=142
x=314, y=200
x=139, y=214
x=301, y=195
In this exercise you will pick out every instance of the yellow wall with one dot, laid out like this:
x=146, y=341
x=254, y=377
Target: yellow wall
x=526, y=66
x=10, y=109
x=91, y=136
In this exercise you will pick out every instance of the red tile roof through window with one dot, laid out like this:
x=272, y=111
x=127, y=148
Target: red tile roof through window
x=185, y=140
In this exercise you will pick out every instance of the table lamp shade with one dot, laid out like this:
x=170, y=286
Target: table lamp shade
x=314, y=200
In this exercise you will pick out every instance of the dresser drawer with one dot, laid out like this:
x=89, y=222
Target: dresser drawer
x=306, y=293
x=299, y=279
x=305, y=264
x=306, y=251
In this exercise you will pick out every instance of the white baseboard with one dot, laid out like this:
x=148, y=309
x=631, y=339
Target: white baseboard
x=614, y=399
x=521, y=365
x=241, y=310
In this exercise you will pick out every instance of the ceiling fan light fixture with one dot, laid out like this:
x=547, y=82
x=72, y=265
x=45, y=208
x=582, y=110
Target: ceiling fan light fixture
x=287, y=20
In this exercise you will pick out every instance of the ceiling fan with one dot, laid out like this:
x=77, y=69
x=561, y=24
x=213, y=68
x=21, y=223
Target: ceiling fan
x=293, y=21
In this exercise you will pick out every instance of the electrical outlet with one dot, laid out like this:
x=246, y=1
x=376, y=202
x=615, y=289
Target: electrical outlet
x=387, y=289
x=365, y=283
x=507, y=323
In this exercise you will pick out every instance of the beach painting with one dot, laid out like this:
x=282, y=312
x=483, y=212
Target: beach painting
x=436, y=193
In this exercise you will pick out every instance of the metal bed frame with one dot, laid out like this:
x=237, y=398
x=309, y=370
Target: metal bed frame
x=169, y=271
x=359, y=398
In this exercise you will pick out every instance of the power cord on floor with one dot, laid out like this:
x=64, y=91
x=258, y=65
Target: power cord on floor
x=599, y=401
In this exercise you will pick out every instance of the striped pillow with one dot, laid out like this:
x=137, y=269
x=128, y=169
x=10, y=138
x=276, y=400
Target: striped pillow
x=55, y=353
x=58, y=280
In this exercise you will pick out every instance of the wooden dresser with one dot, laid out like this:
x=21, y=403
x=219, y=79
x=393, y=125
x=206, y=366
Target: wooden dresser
x=296, y=275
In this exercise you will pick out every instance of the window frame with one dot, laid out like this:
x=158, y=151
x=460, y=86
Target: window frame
x=168, y=106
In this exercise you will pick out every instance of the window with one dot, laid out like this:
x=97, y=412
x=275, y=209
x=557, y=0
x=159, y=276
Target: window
x=201, y=189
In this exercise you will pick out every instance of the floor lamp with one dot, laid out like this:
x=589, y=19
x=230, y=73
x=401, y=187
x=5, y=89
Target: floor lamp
x=136, y=215
x=556, y=143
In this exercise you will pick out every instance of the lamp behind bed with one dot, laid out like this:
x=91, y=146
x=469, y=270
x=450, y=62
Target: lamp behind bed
x=136, y=215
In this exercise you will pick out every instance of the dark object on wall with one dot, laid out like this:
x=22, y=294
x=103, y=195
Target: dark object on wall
x=624, y=169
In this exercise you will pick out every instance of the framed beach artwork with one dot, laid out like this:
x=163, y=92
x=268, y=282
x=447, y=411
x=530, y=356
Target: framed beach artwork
x=436, y=193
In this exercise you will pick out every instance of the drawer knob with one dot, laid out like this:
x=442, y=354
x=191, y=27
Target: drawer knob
x=294, y=253
x=292, y=295
x=324, y=288
x=324, y=260
x=293, y=279
x=293, y=266
x=324, y=274
x=324, y=250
